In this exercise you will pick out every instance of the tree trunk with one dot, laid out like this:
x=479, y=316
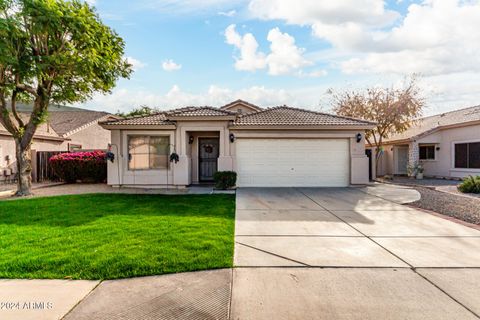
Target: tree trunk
x=378, y=157
x=24, y=169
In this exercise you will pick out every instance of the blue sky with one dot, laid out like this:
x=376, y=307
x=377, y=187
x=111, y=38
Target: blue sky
x=273, y=52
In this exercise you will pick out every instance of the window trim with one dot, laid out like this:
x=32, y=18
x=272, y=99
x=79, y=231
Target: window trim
x=428, y=145
x=146, y=135
x=452, y=154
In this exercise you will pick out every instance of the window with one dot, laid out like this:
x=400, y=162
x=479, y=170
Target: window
x=427, y=152
x=467, y=155
x=148, y=152
x=74, y=147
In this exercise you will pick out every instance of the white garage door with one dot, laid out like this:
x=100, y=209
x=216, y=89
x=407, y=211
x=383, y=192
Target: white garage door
x=293, y=162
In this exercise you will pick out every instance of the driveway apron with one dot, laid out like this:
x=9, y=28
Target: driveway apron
x=349, y=253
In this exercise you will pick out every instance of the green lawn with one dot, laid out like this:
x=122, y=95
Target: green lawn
x=108, y=236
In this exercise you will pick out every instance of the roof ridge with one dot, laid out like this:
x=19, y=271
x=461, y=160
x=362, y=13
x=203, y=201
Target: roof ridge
x=448, y=112
x=307, y=110
x=241, y=101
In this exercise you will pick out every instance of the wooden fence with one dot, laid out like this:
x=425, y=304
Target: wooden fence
x=43, y=171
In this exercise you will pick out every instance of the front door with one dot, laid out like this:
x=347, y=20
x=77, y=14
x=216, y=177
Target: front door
x=402, y=160
x=207, y=158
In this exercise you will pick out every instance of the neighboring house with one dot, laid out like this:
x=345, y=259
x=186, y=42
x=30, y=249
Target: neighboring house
x=66, y=129
x=278, y=147
x=447, y=145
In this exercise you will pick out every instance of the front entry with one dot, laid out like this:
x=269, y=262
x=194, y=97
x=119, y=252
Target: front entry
x=402, y=160
x=208, y=151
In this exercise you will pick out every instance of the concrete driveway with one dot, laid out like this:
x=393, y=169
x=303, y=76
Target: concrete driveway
x=349, y=253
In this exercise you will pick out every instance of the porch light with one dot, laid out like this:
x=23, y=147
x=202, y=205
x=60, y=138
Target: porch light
x=359, y=137
x=190, y=139
x=232, y=137
x=437, y=148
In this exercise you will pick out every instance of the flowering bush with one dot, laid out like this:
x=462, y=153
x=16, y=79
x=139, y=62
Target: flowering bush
x=85, y=166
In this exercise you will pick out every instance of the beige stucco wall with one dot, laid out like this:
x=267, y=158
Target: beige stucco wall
x=358, y=159
x=90, y=137
x=185, y=172
x=443, y=165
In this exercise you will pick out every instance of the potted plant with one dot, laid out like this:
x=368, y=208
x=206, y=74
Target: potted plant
x=419, y=172
x=415, y=171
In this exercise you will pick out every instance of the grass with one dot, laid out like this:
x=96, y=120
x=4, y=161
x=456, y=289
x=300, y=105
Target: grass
x=109, y=236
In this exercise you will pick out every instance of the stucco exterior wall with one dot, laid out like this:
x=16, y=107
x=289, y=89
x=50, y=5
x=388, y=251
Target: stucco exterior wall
x=185, y=172
x=181, y=174
x=443, y=165
x=92, y=137
x=358, y=159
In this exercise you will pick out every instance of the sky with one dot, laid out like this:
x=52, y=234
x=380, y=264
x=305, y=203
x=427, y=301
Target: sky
x=275, y=52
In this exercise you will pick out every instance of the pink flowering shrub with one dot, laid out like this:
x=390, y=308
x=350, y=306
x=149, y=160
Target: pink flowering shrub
x=85, y=166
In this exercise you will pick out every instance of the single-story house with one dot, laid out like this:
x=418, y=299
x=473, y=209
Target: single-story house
x=447, y=145
x=275, y=147
x=67, y=129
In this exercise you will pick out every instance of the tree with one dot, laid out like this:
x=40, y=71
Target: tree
x=51, y=51
x=393, y=109
x=140, y=111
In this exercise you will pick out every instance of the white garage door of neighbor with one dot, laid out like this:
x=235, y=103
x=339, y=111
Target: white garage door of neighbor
x=293, y=162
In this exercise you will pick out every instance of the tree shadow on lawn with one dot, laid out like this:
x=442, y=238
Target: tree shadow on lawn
x=75, y=210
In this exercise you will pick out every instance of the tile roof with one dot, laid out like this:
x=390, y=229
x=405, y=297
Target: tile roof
x=288, y=116
x=154, y=119
x=199, y=112
x=240, y=101
x=64, y=122
x=428, y=124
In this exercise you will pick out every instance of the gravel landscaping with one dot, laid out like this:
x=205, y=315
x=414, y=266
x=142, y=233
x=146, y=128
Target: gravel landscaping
x=457, y=206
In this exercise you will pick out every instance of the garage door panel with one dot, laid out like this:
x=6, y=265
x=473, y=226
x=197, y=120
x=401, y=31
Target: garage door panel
x=293, y=162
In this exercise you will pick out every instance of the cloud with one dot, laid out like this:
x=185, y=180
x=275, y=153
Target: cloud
x=123, y=99
x=250, y=59
x=434, y=37
x=136, y=64
x=309, y=12
x=230, y=13
x=284, y=57
x=190, y=7
x=312, y=74
x=170, y=65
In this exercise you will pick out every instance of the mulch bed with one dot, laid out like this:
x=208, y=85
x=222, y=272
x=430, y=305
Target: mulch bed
x=457, y=206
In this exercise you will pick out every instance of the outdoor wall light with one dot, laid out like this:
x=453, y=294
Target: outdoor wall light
x=359, y=137
x=437, y=148
x=190, y=139
x=232, y=137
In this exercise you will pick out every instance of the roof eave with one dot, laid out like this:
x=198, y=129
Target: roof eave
x=202, y=118
x=112, y=126
x=296, y=127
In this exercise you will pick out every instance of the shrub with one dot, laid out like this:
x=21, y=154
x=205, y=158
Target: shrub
x=85, y=166
x=225, y=179
x=470, y=185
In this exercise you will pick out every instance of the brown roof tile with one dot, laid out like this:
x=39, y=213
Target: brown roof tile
x=198, y=112
x=288, y=116
x=425, y=125
x=240, y=101
x=154, y=119
x=64, y=122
